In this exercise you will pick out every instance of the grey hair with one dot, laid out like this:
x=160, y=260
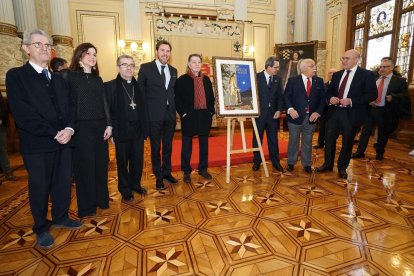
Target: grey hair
x=389, y=60
x=270, y=61
x=304, y=63
x=118, y=60
x=27, y=36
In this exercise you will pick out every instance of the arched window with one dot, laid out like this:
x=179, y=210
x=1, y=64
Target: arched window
x=383, y=28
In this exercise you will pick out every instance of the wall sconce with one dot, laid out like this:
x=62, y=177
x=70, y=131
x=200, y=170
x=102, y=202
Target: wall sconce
x=248, y=50
x=134, y=48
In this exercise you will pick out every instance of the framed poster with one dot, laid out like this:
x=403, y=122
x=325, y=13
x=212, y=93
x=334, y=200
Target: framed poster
x=290, y=56
x=236, y=87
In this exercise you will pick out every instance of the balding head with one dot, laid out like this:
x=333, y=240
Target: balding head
x=308, y=67
x=350, y=59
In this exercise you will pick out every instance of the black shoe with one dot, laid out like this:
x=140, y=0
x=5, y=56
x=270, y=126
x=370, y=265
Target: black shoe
x=308, y=169
x=379, y=156
x=256, y=166
x=128, y=198
x=323, y=168
x=318, y=146
x=140, y=190
x=159, y=185
x=170, y=179
x=206, y=175
x=342, y=173
x=358, y=155
x=290, y=168
x=278, y=167
x=187, y=178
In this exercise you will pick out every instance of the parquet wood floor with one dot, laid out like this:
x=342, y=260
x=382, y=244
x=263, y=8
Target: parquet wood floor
x=287, y=224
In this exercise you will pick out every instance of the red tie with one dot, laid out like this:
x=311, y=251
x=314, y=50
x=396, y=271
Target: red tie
x=343, y=84
x=308, y=90
x=380, y=89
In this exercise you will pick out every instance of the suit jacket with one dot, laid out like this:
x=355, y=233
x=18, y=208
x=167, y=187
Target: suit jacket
x=119, y=112
x=295, y=97
x=184, y=99
x=362, y=91
x=40, y=108
x=151, y=84
x=400, y=106
x=274, y=96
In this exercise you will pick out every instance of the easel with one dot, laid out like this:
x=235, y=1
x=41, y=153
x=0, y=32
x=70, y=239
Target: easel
x=231, y=125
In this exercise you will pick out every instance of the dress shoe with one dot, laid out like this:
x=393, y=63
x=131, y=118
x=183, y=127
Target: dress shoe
x=256, y=166
x=10, y=176
x=358, y=155
x=323, y=168
x=342, y=173
x=128, y=198
x=308, y=169
x=290, y=168
x=318, y=146
x=45, y=240
x=206, y=175
x=170, y=179
x=278, y=167
x=140, y=190
x=159, y=185
x=379, y=156
x=187, y=178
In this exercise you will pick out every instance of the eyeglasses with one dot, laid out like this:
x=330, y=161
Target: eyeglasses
x=386, y=66
x=126, y=65
x=40, y=45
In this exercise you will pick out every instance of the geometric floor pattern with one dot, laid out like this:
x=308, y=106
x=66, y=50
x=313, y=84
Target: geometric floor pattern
x=285, y=224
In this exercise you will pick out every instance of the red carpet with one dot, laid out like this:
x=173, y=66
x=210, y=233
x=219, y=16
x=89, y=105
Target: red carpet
x=217, y=146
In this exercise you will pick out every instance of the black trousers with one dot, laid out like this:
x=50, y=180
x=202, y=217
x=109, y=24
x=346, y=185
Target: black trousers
x=269, y=124
x=162, y=132
x=338, y=122
x=375, y=117
x=49, y=174
x=130, y=160
x=186, y=150
x=322, y=130
x=90, y=156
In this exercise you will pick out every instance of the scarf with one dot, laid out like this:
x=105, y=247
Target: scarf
x=199, y=93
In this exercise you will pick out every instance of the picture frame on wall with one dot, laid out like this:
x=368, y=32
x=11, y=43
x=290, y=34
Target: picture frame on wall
x=236, y=87
x=291, y=55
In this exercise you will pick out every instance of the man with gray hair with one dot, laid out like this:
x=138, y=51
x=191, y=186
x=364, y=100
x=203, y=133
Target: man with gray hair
x=304, y=100
x=44, y=110
x=270, y=97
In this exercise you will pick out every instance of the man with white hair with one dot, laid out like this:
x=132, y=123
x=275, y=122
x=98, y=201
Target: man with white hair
x=304, y=100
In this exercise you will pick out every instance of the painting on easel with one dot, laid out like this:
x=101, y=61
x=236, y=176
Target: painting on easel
x=236, y=87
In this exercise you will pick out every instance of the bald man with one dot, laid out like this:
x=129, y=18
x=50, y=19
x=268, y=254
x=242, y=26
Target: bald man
x=322, y=119
x=348, y=95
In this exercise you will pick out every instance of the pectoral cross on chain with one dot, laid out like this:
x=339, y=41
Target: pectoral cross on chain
x=132, y=104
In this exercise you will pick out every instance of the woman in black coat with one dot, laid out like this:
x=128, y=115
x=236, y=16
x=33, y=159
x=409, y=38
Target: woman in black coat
x=194, y=100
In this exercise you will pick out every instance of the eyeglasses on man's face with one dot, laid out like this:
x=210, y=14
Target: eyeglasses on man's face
x=126, y=65
x=41, y=45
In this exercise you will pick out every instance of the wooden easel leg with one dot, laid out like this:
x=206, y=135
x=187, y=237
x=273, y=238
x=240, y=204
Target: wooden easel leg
x=229, y=146
x=233, y=127
x=259, y=144
x=243, y=136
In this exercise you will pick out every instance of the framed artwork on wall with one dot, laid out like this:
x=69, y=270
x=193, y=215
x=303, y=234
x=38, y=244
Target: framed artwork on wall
x=290, y=56
x=236, y=87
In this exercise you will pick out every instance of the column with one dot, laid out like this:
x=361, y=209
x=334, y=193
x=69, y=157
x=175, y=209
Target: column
x=318, y=32
x=61, y=32
x=133, y=29
x=281, y=22
x=301, y=21
x=25, y=15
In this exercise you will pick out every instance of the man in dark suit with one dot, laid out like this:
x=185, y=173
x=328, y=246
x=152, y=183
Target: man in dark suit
x=304, y=100
x=348, y=95
x=127, y=107
x=156, y=80
x=44, y=110
x=271, y=100
x=322, y=119
x=392, y=90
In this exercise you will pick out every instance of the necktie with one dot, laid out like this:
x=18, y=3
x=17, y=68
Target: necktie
x=308, y=87
x=269, y=84
x=380, y=90
x=343, y=84
x=164, y=80
x=46, y=73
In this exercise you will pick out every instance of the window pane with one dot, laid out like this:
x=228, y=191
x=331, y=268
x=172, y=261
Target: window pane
x=381, y=18
x=405, y=41
x=377, y=49
x=359, y=39
x=408, y=4
x=360, y=18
